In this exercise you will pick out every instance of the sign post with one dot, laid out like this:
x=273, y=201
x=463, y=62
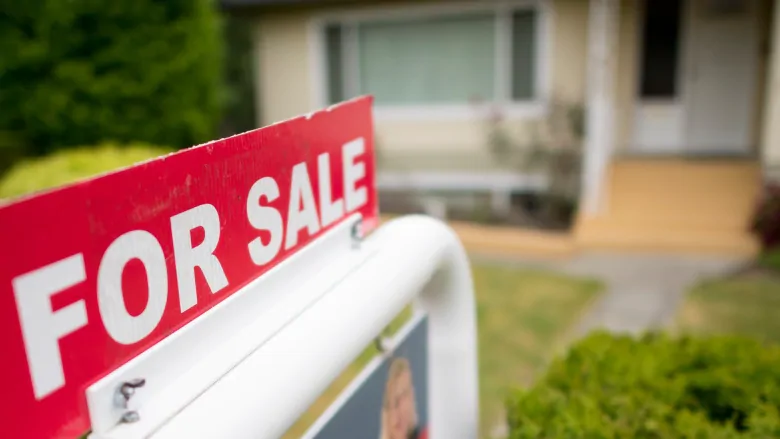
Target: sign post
x=175, y=298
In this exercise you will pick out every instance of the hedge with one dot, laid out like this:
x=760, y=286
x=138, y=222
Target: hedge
x=654, y=387
x=67, y=166
x=81, y=72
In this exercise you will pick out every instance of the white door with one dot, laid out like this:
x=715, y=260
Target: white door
x=659, y=112
x=721, y=71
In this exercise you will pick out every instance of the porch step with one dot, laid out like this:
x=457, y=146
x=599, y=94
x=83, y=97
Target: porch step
x=676, y=205
x=714, y=194
x=606, y=235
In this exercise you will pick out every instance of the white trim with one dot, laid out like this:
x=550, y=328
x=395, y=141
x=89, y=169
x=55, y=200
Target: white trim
x=545, y=55
x=603, y=37
x=461, y=181
x=318, y=71
x=502, y=62
x=406, y=10
x=457, y=112
x=512, y=109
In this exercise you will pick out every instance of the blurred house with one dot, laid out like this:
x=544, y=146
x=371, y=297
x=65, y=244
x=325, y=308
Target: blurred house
x=681, y=100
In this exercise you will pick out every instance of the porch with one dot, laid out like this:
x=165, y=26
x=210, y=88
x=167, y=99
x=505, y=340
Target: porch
x=680, y=130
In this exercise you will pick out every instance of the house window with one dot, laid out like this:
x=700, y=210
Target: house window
x=453, y=58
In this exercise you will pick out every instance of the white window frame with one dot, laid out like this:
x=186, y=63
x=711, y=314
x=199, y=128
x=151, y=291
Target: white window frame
x=533, y=108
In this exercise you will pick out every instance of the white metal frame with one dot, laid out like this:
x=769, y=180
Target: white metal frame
x=253, y=364
x=513, y=109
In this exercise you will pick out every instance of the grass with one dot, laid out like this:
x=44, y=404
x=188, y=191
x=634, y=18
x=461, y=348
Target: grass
x=522, y=317
x=745, y=305
x=770, y=259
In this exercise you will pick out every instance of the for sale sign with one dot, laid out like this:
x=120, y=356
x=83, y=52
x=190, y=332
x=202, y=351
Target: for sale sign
x=389, y=399
x=97, y=272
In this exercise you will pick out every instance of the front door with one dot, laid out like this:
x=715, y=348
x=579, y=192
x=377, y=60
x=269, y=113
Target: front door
x=659, y=110
x=721, y=76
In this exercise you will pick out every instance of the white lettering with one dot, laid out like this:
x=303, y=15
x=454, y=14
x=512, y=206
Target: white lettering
x=121, y=326
x=264, y=218
x=299, y=217
x=188, y=257
x=330, y=210
x=42, y=328
x=354, y=197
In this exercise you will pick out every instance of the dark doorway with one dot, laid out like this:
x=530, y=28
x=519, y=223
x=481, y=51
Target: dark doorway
x=661, y=49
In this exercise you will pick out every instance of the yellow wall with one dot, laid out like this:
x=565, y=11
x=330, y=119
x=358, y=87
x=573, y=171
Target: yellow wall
x=283, y=67
x=284, y=64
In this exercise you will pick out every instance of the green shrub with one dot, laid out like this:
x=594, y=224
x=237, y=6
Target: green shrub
x=771, y=259
x=81, y=72
x=654, y=387
x=71, y=165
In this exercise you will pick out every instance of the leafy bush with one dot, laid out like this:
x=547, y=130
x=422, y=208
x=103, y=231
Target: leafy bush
x=654, y=387
x=771, y=259
x=81, y=72
x=766, y=221
x=71, y=165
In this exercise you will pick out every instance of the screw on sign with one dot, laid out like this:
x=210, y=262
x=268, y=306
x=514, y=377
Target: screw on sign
x=97, y=272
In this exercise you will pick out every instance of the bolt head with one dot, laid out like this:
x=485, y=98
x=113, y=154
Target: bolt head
x=130, y=417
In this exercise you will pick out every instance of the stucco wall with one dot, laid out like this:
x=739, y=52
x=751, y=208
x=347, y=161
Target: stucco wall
x=285, y=64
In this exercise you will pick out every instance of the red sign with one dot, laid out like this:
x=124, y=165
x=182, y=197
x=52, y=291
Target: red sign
x=97, y=272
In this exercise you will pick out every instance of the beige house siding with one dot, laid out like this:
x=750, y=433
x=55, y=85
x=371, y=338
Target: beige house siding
x=284, y=58
x=286, y=65
x=569, y=49
x=283, y=65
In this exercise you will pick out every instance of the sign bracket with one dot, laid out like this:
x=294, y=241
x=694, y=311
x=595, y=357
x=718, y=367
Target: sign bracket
x=176, y=371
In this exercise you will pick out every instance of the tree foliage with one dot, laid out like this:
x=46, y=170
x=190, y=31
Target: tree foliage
x=78, y=72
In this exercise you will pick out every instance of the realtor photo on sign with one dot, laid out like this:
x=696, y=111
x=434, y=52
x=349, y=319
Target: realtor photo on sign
x=389, y=399
x=399, y=408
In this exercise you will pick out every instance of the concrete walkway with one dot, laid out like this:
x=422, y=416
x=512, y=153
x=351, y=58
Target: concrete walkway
x=643, y=292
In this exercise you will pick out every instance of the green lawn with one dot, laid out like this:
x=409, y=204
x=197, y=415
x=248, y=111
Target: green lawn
x=523, y=317
x=746, y=305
